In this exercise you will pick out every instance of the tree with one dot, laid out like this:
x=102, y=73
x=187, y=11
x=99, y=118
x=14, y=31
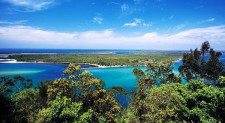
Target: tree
x=162, y=104
x=193, y=102
x=197, y=67
x=62, y=109
x=205, y=103
x=214, y=67
x=16, y=84
x=205, y=47
x=92, y=95
x=156, y=75
x=43, y=95
x=62, y=86
x=222, y=81
x=72, y=71
x=26, y=105
x=190, y=69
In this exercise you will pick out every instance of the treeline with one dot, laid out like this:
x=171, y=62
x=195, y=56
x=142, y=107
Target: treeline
x=104, y=60
x=159, y=97
x=79, y=97
x=28, y=58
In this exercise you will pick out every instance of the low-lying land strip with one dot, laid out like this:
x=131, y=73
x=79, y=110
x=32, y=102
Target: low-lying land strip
x=136, y=59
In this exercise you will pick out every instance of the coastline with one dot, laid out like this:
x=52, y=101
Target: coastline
x=178, y=60
x=94, y=65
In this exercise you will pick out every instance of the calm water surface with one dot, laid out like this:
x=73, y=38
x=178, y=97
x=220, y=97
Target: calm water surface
x=114, y=76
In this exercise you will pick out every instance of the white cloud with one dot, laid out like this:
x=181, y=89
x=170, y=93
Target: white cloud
x=108, y=39
x=138, y=22
x=127, y=9
x=147, y=24
x=207, y=20
x=135, y=23
x=124, y=7
x=130, y=24
x=15, y=22
x=30, y=34
x=31, y=5
x=98, y=20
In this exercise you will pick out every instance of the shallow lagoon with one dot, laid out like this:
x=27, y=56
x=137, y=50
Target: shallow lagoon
x=113, y=76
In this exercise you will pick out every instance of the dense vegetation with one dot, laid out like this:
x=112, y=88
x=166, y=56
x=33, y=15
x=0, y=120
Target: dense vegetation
x=80, y=97
x=105, y=60
x=196, y=66
x=159, y=97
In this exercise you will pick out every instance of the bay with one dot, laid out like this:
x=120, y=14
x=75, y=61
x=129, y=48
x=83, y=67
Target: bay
x=112, y=76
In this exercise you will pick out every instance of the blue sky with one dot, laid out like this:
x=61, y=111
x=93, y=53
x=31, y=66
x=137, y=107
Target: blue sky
x=112, y=24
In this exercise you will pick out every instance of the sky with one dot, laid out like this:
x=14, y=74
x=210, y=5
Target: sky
x=112, y=24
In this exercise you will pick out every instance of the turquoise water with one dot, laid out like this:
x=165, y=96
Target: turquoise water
x=35, y=71
x=114, y=76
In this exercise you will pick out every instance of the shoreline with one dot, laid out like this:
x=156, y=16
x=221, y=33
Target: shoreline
x=12, y=61
x=94, y=65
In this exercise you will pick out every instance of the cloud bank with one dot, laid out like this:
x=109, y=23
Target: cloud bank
x=138, y=22
x=31, y=5
x=31, y=37
x=13, y=23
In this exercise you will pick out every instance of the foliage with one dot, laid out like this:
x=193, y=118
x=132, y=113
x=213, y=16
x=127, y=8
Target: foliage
x=43, y=96
x=26, y=105
x=82, y=87
x=16, y=84
x=118, y=90
x=214, y=67
x=135, y=59
x=94, y=96
x=193, y=102
x=62, y=109
x=190, y=69
x=129, y=115
x=72, y=71
x=28, y=57
x=196, y=67
x=222, y=81
x=205, y=48
x=62, y=86
x=157, y=74
x=205, y=102
x=162, y=104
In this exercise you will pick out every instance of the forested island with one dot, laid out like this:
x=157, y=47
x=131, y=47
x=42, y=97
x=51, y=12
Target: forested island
x=79, y=97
